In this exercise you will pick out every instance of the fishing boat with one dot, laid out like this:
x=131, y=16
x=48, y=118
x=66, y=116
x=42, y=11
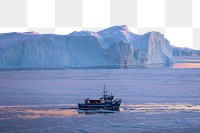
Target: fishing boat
x=106, y=102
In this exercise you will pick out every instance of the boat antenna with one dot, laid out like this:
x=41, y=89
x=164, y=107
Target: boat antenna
x=104, y=90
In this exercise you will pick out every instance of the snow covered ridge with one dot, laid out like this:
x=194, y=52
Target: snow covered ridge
x=115, y=46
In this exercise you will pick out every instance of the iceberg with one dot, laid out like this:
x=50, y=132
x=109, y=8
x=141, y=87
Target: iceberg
x=178, y=52
x=114, y=46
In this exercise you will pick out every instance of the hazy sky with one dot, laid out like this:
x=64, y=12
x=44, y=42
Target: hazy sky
x=179, y=20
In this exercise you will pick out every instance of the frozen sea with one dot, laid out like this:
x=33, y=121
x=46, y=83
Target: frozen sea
x=165, y=99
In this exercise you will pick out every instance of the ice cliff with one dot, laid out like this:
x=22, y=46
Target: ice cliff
x=177, y=51
x=115, y=46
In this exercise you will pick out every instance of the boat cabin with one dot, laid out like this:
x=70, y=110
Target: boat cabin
x=88, y=101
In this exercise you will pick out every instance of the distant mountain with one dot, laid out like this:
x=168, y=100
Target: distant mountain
x=113, y=46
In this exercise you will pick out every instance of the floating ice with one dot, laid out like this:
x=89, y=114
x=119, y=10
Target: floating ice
x=115, y=46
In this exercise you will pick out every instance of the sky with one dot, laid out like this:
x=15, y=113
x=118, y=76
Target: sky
x=178, y=20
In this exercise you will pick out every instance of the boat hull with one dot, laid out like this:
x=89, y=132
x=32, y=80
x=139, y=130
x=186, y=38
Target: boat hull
x=105, y=106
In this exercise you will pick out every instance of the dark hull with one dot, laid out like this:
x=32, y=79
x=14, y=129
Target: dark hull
x=108, y=106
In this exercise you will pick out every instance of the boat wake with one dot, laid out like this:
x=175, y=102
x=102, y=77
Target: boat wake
x=67, y=110
x=160, y=108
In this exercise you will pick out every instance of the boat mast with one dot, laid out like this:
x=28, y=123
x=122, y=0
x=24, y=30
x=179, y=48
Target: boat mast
x=104, y=91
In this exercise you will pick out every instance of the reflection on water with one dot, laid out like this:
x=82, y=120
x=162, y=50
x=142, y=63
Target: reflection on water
x=33, y=113
x=186, y=65
x=13, y=112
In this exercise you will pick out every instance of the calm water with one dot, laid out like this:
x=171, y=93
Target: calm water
x=154, y=100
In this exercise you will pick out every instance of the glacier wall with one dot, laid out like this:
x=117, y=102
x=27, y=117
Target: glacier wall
x=115, y=46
